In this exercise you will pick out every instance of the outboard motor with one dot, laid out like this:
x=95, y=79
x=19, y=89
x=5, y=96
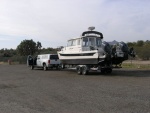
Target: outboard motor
x=124, y=47
x=126, y=50
x=107, y=48
x=119, y=53
x=106, y=64
x=131, y=52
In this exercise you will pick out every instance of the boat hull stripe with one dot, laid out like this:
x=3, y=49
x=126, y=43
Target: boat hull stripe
x=82, y=54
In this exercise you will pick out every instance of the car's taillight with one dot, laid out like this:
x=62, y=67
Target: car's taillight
x=49, y=61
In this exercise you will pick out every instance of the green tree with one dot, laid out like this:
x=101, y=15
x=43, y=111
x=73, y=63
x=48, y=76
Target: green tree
x=27, y=47
x=130, y=44
x=38, y=46
x=147, y=43
x=140, y=43
x=144, y=53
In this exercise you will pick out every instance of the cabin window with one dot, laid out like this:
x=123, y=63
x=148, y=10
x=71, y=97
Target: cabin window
x=98, y=42
x=78, y=42
x=85, y=41
x=73, y=42
x=91, y=41
x=69, y=43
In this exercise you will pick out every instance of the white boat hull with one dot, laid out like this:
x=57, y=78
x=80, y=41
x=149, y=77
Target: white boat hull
x=81, y=58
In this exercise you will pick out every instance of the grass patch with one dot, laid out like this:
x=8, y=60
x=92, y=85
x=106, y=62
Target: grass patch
x=135, y=66
x=12, y=63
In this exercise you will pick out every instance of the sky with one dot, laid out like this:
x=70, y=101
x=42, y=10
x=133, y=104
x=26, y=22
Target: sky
x=53, y=22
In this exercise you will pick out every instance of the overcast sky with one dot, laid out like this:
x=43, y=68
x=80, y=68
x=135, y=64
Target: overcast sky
x=53, y=22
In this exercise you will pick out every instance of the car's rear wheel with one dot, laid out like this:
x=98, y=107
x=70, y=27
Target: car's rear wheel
x=32, y=67
x=44, y=67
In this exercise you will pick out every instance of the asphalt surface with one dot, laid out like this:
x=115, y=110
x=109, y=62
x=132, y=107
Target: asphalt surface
x=36, y=91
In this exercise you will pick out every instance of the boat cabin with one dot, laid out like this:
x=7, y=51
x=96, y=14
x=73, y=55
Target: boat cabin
x=90, y=40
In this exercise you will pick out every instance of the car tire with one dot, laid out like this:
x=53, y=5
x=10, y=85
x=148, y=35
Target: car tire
x=32, y=67
x=44, y=67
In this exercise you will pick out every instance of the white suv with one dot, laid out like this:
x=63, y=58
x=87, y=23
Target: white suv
x=44, y=61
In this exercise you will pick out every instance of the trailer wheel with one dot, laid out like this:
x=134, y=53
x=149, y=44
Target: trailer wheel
x=103, y=71
x=63, y=66
x=32, y=67
x=84, y=70
x=79, y=70
x=44, y=67
x=57, y=68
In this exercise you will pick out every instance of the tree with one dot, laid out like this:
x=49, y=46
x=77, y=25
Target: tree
x=27, y=47
x=140, y=43
x=130, y=44
x=38, y=46
x=144, y=53
x=147, y=42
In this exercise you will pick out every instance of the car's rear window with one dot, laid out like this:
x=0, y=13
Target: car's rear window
x=54, y=57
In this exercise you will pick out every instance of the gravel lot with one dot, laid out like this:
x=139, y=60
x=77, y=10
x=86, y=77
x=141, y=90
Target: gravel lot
x=36, y=91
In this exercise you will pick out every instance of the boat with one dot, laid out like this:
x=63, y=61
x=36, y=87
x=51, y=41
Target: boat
x=86, y=49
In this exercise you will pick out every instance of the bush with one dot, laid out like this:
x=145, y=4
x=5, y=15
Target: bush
x=20, y=59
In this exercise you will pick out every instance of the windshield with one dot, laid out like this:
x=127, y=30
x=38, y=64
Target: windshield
x=98, y=42
x=85, y=41
x=54, y=57
x=92, y=41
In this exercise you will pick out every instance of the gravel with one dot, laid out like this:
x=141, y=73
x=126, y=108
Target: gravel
x=63, y=91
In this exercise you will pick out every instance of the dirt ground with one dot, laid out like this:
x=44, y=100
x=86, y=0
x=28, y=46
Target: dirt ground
x=36, y=91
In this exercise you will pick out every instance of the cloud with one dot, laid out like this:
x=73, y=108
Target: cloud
x=53, y=22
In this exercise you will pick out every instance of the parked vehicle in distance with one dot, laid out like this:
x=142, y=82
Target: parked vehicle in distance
x=44, y=61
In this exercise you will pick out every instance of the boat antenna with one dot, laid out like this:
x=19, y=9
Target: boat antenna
x=91, y=28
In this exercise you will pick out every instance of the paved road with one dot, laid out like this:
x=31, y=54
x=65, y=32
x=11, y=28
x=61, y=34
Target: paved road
x=36, y=91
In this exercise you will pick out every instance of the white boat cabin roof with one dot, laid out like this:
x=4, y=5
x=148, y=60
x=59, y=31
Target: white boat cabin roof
x=75, y=38
x=91, y=34
x=87, y=38
x=94, y=36
x=85, y=41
